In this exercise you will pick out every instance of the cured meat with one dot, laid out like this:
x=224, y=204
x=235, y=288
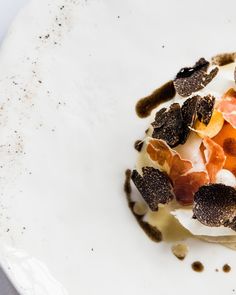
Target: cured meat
x=187, y=185
x=227, y=106
x=215, y=158
x=167, y=158
x=185, y=181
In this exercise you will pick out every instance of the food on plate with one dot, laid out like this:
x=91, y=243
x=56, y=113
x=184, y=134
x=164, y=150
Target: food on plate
x=185, y=175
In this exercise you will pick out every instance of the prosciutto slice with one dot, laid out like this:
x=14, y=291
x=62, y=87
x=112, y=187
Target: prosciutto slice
x=215, y=158
x=185, y=180
x=227, y=106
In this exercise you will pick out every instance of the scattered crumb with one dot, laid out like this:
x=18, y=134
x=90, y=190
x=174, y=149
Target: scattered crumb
x=197, y=266
x=226, y=268
x=92, y=249
x=140, y=208
x=180, y=251
x=216, y=270
x=40, y=81
x=163, y=46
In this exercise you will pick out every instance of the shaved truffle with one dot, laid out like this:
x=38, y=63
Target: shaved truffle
x=223, y=59
x=154, y=186
x=173, y=125
x=189, y=114
x=205, y=108
x=160, y=118
x=215, y=205
x=168, y=125
x=189, y=80
x=153, y=233
x=210, y=76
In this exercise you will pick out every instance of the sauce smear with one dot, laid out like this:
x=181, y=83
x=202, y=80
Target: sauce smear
x=145, y=105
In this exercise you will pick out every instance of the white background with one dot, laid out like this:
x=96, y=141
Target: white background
x=8, y=9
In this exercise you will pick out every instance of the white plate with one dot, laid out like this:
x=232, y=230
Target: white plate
x=69, y=81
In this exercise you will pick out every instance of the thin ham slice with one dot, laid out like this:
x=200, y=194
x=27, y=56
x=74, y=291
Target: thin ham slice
x=167, y=158
x=227, y=106
x=215, y=158
x=187, y=185
x=185, y=181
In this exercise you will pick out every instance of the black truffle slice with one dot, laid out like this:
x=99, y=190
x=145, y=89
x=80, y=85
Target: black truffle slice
x=154, y=186
x=205, y=108
x=215, y=205
x=153, y=233
x=189, y=114
x=210, y=76
x=189, y=80
x=160, y=118
x=168, y=125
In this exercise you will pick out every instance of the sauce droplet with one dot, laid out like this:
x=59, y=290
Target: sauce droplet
x=226, y=268
x=197, y=266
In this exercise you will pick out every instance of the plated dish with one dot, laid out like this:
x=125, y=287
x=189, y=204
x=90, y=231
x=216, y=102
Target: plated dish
x=71, y=73
x=186, y=166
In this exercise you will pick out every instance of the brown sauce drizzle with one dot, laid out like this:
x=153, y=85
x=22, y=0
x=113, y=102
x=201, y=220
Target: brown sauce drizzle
x=147, y=104
x=197, y=266
x=151, y=231
x=223, y=59
x=138, y=145
x=127, y=185
x=226, y=268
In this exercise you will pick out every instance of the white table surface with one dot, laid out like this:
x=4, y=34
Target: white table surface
x=8, y=10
